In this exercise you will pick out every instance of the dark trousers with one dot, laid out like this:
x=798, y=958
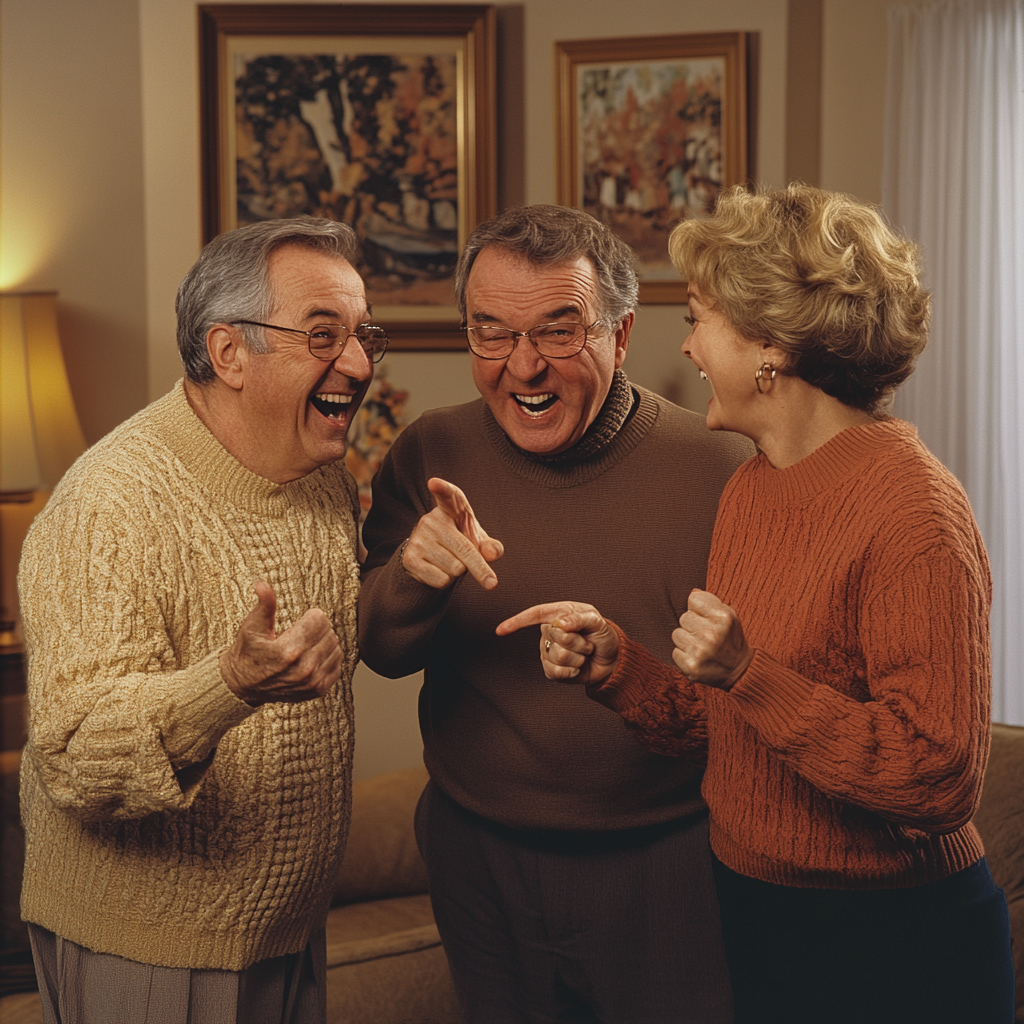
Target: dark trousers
x=931, y=954
x=556, y=928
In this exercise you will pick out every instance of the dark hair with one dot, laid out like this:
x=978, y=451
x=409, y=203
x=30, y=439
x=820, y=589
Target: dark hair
x=820, y=275
x=229, y=282
x=546, y=235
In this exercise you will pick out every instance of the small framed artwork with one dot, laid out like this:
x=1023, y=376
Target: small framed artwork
x=378, y=115
x=650, y=130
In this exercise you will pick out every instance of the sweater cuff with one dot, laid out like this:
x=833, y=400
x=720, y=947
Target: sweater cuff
x=204, y=710
x=410, y=599
x=771, y=697
x=630, y=683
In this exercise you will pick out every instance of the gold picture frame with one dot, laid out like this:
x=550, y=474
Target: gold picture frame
x=649, y=130
x=380, y=115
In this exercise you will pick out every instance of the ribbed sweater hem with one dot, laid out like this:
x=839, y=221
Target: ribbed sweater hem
x=158, y=944
x=955, y=852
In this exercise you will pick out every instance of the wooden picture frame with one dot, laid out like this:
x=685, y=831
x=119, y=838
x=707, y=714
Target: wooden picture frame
x=380, y=115
x=649, y=130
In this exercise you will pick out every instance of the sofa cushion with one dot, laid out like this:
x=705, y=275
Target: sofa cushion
x=1000, y=820
x=410, y=987
x=385, y=964
x=381, y=858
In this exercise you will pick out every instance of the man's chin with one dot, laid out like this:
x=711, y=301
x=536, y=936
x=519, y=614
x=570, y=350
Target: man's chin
x=540, y=435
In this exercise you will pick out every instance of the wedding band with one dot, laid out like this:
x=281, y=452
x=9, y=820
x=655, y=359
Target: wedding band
x=547, y=646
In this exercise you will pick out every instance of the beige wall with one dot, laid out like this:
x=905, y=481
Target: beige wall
x=855, y=56
x=72, y=188
x=100, y=189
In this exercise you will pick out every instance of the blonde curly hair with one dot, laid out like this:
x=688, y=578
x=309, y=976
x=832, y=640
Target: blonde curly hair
x=821, y=276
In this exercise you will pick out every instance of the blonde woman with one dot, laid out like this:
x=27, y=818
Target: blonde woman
x=840, y=650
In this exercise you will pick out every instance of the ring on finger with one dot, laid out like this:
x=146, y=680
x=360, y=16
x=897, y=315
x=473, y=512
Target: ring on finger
x=547, y=646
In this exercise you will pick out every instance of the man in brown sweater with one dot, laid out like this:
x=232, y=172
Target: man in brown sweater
x=569, y=867
x=186, y=785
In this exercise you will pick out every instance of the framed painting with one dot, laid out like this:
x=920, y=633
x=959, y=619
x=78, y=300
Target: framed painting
x=650, y=130
x=378, y=115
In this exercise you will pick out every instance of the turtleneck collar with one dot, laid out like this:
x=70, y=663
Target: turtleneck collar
x=624, y=420
x=618, y=404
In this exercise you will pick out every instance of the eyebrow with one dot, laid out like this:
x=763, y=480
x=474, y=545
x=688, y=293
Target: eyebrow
x=334, y=315
x=570, y=309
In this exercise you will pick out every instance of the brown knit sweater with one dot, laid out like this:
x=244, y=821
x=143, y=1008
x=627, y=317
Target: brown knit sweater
x=167, y=821
x=627, y=528
x=850, y=754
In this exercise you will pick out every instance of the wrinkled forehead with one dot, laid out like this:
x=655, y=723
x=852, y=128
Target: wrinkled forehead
x=315, y=285
x=503, y=284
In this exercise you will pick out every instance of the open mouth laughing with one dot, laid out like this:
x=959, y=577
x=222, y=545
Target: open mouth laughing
x=330, y=404
x=535, y=405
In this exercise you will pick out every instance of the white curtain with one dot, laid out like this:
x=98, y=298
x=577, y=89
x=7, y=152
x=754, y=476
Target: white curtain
x=953, y=179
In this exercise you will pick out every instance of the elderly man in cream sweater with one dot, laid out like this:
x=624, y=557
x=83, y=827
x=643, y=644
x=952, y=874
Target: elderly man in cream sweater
x=189, y=601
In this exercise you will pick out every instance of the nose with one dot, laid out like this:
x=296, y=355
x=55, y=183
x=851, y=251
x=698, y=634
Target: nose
x=525, y=362
x=352, y=360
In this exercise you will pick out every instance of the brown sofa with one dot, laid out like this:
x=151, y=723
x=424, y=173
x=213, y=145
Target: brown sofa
x=1000, y=820
x=385, y=962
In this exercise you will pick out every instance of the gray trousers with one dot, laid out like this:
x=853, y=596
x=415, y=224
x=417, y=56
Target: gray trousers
x=587, y=932
x=78, y=986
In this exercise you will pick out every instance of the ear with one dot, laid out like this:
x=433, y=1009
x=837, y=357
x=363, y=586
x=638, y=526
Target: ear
x=622, y=338
x=228, y=354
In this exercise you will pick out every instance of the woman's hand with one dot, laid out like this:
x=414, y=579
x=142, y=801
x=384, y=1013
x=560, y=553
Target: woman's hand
x=576, y=643
x=709, y=644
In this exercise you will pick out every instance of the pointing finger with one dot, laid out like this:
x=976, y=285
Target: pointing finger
x=538, y=615
x=453, y=502
x=570, y=616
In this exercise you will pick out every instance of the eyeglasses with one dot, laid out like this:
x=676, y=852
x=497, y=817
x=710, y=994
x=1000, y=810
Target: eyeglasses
x=328, y=341
x=553, y=341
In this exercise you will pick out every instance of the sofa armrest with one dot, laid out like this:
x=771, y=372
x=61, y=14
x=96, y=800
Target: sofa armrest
x=1000, y=820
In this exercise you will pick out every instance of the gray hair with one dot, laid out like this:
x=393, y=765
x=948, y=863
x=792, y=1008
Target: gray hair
x=229, y=282
x=546, y=235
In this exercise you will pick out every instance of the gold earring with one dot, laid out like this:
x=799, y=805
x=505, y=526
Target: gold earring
x=768, y=369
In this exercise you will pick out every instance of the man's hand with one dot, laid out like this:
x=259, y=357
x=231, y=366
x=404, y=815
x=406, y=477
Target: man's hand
x=448, y=541
x=303, y=663
x=709, y=644
x=576, y=644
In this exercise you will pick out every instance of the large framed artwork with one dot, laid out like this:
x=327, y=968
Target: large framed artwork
x=378, y=115
x=649, y=132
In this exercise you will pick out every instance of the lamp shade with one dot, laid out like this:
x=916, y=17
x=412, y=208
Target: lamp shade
x=39, y=431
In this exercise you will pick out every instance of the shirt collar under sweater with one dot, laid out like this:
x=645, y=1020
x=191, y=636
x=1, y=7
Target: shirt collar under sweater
x=839, y=457
x=616, y=439
x=216, y=469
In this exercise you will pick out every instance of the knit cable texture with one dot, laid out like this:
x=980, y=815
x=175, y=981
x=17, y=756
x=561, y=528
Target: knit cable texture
x=166, y=820
x=851, y=752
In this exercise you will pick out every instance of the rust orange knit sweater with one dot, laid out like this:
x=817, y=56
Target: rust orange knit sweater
x=850, y=754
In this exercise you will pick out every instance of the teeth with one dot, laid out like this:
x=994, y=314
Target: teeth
x=330, y=397
x=537, y=400
x=703, y=375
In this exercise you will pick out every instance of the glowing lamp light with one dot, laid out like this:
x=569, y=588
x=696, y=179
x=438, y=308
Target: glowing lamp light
x=40, y=435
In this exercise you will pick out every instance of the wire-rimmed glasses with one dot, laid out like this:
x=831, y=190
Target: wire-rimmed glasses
x=328, y=341
x=560, y=340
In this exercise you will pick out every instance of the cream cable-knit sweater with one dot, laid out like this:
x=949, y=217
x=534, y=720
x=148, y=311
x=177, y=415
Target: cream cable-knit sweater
x=167, y=821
